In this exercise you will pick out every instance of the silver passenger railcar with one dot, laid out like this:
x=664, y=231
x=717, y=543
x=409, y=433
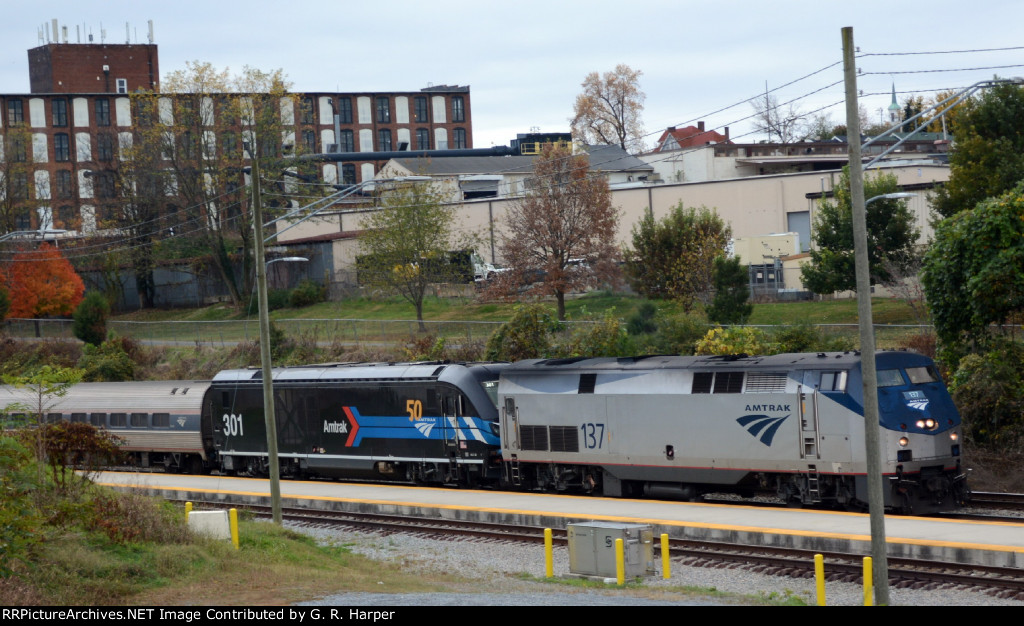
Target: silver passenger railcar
x=674, y=426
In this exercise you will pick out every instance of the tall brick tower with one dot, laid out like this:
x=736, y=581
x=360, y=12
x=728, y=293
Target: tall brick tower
x=93, y=68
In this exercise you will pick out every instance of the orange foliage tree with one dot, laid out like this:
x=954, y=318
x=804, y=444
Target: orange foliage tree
x=42, y=283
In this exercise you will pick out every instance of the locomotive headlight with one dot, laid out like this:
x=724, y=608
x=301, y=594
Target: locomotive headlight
x=904, y=442
x=953, y=436
x=929, y=423
x=919, y=423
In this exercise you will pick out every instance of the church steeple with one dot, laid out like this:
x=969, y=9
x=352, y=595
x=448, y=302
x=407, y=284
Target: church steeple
x=894, y=108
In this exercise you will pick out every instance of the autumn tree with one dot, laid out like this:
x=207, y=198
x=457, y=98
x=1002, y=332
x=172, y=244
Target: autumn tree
x=987, y=158
x=609, y=109
x=561, y=231
x=891, y=235
x=673, y=258
x=197, y=138
x=42, y=283
x=406, y=243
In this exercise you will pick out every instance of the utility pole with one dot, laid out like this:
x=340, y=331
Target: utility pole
x=264, y=315
x=876, y=504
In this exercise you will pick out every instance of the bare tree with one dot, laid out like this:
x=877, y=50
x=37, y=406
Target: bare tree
x=609, y=109
x=560, y=237
x=784, y=122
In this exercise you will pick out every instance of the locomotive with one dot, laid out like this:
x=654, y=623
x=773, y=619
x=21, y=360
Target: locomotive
x=659, y=426
x=670, y=426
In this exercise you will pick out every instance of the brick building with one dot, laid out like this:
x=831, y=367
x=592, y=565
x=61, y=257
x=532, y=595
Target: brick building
x=63, y=138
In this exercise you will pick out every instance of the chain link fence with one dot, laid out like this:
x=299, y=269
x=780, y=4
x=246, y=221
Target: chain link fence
x=362, y=332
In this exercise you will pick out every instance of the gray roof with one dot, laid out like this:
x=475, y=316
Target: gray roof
x=614, y=158
x=605, y=158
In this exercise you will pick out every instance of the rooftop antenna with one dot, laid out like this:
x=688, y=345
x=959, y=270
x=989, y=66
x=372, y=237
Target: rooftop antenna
x=64, y=32
x=127, y=33
x=150, y=32
x=78, y=33
x=103, y=33
x=53, y=24
x=39, y=34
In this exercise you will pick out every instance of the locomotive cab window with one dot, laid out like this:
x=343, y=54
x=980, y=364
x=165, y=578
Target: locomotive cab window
x=919, y=375
x=890, y=378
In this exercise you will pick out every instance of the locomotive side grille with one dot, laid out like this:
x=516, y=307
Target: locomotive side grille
x=533, y=437
x=564, y=439
x=728, y=382
x=766, y=383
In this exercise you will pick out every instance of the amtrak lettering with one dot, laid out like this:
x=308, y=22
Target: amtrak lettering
x=335, y=427
x=768, y=407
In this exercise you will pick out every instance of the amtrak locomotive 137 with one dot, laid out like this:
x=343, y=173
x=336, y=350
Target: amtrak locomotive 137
x=662, y=426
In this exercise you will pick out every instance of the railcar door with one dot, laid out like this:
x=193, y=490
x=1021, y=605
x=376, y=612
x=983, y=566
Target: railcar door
x=807, y=405
x=450, y=412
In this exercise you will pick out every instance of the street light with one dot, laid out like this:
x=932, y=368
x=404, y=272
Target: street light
x=286, y=259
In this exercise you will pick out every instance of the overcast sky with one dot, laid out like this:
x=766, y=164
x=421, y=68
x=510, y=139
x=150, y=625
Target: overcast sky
x=524, y=60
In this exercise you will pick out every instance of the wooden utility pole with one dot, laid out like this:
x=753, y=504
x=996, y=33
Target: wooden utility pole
x=876, y=502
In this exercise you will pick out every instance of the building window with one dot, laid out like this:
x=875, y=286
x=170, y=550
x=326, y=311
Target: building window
x=17, y=149
x=348, y=142
x=422, y=112
x=23, y=220
x=103, y=112
x=66, y=216
x=384, y=140
x=309, y=139
x=307, y=110
x=344, y=111
x=348, y=174
x=229, y=144
x=458, y=109
x=60, y=112
x=383, y=110
x=61, y=148
x=459, y=138
x=104, y=147
x=63, y=184
x=19, y=186
x=122, y=85
x=15, y=112
x=422, y=139
x=104, y=182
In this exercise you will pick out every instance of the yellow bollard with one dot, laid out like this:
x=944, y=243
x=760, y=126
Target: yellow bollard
x=620, y=562
x=868, y=582
x=188, y=509
x=819, y=577
x=549, y=562
x=666, y=571
x=233, y=516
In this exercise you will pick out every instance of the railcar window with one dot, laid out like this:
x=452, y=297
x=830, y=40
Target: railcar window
x=890, y=378
x=140, y=419
x=918, y=375
x=833, y=381
x=491, y=387
x=79, y=417
x=54, y=418
x=161, y=420
x=98, y=419
x=118, y=419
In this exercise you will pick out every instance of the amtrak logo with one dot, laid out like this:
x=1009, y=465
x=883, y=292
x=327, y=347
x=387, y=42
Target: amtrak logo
x=920, y=405
x=425, y=427
x=763, y=425
x=181, y=422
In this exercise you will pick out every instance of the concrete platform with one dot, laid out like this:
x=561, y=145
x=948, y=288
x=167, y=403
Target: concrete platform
x=983, y=543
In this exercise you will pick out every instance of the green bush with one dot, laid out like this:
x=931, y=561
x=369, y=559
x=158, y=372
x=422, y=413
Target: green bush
x=107, y=362
x=19, y=519
x=603, y=338
x=307, y=293
x=804, y=337
x=736, y=340
x=988, y=388
x=526, y=336
x=678, y=334
x=90, y=318
x=642, y=322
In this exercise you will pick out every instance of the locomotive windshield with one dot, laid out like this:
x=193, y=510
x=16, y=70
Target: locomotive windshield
x=890, y=378
x=491, y=387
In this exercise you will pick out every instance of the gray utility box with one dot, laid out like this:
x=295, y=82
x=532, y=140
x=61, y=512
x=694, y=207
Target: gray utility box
x=592, y=549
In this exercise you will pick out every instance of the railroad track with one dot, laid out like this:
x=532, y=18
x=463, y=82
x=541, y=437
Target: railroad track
x=839, y=567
